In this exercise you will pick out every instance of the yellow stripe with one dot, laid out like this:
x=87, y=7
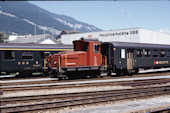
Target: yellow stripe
x=37, y=49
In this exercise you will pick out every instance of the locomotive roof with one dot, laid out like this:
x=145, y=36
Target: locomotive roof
x=138, y=45
x=31, y=46
x=87, y=40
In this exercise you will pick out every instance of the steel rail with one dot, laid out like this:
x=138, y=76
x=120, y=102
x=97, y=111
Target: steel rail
x=148, y=82
x=64, y=95
x=88, y=100
x=51, y=86
x=55, y=86
x=165, y=110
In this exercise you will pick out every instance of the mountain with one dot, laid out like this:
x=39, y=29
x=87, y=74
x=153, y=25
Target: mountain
x=21, y=17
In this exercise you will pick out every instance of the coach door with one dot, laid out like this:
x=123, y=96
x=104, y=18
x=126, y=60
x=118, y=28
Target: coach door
x=129, y=59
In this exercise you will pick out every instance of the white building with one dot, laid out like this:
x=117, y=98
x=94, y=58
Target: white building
x=138, y=35
x=12, y=37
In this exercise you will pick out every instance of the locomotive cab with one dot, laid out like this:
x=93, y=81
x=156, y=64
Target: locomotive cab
x=92, y=49
x=85, y=60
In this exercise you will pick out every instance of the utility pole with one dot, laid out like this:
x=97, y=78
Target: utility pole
x=129, y=15
x=44, y=31
x=35, y=30
x=52, y=31
x=35, y=33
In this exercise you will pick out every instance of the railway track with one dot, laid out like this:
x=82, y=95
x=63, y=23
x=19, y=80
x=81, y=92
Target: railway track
x=146, y=82
x=28, y=82
x=61, y=85
x=22, y=77
x=20, y=81
x=165, y=110
x=57, y=101
x=49, y=86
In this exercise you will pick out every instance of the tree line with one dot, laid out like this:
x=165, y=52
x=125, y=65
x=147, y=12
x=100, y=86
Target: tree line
x=3, y=37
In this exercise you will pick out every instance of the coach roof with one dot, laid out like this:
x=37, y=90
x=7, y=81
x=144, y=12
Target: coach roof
x=4, y=46
x=138, y=45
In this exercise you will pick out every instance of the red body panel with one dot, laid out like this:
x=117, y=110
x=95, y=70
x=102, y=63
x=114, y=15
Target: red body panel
x=69, y=59
x=73, y=59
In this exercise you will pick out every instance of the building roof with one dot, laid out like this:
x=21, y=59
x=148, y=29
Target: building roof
x=67, y=32
x=34, y=39
x=70, y=32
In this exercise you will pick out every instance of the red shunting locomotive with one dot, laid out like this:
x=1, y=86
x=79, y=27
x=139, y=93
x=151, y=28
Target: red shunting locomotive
x=85, y=60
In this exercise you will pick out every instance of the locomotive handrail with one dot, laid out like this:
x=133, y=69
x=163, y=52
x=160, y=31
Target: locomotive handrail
x=106, y=62
x=59, y=65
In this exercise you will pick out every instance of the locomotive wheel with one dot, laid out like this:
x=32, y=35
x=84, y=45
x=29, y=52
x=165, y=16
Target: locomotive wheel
x=54, y=74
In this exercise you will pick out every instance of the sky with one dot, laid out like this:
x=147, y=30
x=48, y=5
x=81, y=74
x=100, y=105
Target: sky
x=112, y=15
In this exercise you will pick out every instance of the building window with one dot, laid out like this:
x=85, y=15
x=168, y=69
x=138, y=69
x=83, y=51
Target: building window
x=162, y=53
x=27, y=55
x=147, y=53
x=8, y=55
x=155, y=53
x=136, y=32
x=131, y=32
x=122, y=53
x=139, y=53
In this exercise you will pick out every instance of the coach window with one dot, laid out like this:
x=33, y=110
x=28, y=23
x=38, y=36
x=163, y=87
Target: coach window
x=8, y=55
x=168, y=53
x=123, y=53
x=95, y=48
x=162, y=53
x=147, y=53
x=155, y=53
x=139, y=53
x=27, y=55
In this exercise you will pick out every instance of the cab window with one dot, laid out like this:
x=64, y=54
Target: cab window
x=95, y=48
